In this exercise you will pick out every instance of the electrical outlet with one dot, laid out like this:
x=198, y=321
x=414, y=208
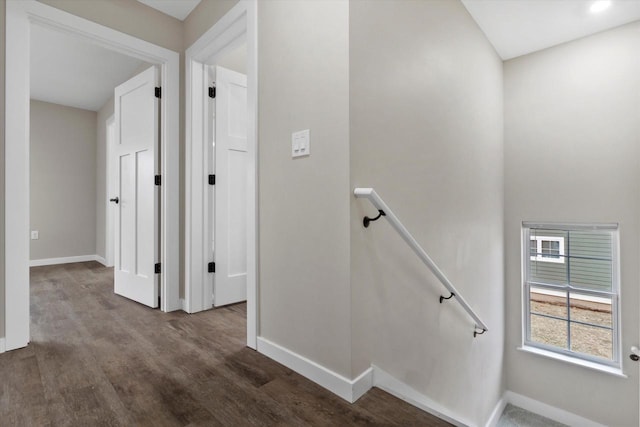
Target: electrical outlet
x=35, y=235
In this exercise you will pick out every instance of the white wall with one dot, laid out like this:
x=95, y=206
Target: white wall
x=304, y=203
x=63, y=181
x=426, y=133
x=203, y=17
x=235, y=59
x=572, y=154
x=130, y=17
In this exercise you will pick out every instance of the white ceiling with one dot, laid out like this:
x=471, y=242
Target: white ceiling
x=518, y=27
x=69, y=71
x=177, y=8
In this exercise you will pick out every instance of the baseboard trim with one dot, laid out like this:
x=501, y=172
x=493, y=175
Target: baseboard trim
x=556, y=414
x=102, y=261
x=391, y=385
x=362, y=384
x=352, y=390
x=349, y=390
x=497, y=412
x=66, y=260
x=2, y=346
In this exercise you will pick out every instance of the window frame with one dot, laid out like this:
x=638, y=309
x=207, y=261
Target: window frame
x=614, y=294
x=540, y=256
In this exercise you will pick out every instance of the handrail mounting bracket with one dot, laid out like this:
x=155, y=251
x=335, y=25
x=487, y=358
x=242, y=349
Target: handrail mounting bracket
x=479, y=331
x=449, y=297
x=368, y=220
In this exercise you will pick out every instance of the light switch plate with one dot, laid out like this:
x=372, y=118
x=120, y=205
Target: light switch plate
x=300, y=143
x=35, y=235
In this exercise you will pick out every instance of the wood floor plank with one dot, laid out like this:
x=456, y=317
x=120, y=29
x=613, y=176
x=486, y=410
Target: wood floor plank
x=21, y=388
x=318, y=407
x=392, y=410
x=98, y=359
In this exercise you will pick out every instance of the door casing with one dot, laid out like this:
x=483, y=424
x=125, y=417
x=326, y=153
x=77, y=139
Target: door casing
x=20, y=15
x=239, y=24
x=110, y=191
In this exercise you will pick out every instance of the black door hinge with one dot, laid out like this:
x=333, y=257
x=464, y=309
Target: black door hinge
x=211, y=268
x=212, y=180
x=212, y=92
x=158, y=92
x=157, y=268
x=157, y=180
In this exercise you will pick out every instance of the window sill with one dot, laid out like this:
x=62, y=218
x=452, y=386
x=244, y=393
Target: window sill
x=617, y=372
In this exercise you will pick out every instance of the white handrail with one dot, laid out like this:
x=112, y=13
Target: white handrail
x=384, y=210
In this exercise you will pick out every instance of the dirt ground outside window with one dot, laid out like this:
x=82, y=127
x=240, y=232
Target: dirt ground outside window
x=591, y=340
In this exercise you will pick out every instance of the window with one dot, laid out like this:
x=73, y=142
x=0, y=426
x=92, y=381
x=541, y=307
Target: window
x=547, y=249
x=571, y=291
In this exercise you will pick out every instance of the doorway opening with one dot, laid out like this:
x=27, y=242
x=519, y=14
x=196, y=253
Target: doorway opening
x=72, y=128
x=221, y=219
x=21, y=17
x=226, y=165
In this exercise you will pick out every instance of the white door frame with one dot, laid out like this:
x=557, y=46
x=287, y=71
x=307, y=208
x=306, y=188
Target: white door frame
x=20, y=15
x=109, y=193
x=240, y=21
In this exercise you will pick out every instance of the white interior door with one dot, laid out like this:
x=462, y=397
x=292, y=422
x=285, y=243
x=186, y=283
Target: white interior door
x=231, y=169
x=137, y=218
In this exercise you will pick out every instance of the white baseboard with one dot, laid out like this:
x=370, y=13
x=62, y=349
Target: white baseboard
x=361, y=384
x=349, y=390
x=66, y=260
x=2, y=346
x=352, y=390
x=391, y=385
x=556, y=414
x=497, y=412
x=102, y=261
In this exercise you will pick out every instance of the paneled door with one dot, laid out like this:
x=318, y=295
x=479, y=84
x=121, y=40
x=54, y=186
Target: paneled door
x=136, y=222
x=231, y=168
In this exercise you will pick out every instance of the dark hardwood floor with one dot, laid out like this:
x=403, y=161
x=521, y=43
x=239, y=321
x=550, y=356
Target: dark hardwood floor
x=97, y=359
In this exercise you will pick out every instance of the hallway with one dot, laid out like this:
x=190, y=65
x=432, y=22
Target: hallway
x=99, y=359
